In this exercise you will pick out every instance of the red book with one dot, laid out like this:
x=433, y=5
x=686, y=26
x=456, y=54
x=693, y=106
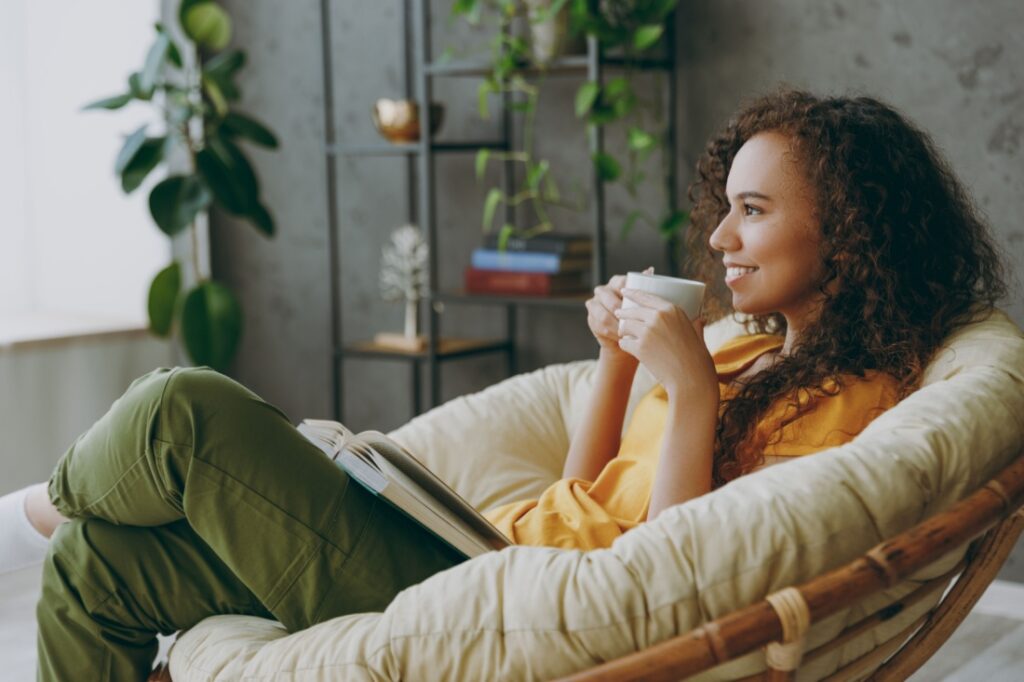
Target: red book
x=523, y=283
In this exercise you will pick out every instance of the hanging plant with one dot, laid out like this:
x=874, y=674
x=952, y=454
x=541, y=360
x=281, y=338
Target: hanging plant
x=509, y=54
x=194, y=99
x=633, y=27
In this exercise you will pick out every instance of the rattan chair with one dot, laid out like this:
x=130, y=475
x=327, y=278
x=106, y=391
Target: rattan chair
x=993, y=517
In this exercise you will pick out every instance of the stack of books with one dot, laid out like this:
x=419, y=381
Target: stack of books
x=545, y=265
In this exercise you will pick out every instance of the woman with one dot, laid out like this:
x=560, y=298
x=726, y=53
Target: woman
x=843, y=236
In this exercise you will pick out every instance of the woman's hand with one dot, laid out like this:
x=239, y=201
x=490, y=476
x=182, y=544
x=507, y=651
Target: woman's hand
x=669, y=345
x=601, y=317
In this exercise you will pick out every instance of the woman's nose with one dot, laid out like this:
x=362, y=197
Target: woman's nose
x=724, y=237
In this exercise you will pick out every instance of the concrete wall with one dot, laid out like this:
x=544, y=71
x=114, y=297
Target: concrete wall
x=953, y=67
x=284, y=282
x=51, y=391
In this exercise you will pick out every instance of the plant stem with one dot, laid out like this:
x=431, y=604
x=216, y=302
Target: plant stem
x=194, y=231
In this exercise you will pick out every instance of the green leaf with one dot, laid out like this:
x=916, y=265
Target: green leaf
x=647, y=36
x=224, y=65
x=482, y=156
x=211, y=325
x=154, y=61
x=148, y=156
x=173, y=52
x=115, y=102
x=135, y=85
x=640, y=140
x=229, y=174
x=630, y=222
x=465, y=7
x=216, y=96
x=261, y=219
x=616, y=87
x=222, y=69
x=673, y=223
x=163, y=293
x=240, y=125
x=494, y=197
x=175, y=202
x=536, y=173
x=185, y=7
x=208, y=25
x=483, y=91
x=129, y=149
x=608, y=169
x=503, y=236
x=585, y=98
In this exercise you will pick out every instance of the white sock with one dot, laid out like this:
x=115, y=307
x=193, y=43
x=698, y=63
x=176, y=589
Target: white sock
x=21, y=545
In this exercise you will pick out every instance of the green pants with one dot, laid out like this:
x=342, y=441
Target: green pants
x=192, y=497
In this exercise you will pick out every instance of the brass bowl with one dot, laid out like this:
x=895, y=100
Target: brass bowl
x=398, y=120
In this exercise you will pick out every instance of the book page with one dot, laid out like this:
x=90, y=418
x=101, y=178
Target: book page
x=405, y=462
x=375, y=458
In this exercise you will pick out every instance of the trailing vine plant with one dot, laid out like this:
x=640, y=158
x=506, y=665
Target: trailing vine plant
x=509, y=54
x=200, y=131
x=632, y=27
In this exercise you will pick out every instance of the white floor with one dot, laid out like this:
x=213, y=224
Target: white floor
x=996, y=624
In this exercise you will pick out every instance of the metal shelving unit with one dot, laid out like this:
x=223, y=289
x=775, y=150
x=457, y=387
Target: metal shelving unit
x=419, y=72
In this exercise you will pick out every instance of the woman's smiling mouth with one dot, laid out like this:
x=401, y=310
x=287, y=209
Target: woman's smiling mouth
x=736, y=273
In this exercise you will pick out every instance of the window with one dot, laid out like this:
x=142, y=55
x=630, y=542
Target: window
x=72, y=244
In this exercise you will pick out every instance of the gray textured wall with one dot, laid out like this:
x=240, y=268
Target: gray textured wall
x=954, y=67
x=284, y=282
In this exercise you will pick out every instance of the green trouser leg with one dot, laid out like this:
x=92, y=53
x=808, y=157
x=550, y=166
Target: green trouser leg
x=270, y=526
x=95, y=622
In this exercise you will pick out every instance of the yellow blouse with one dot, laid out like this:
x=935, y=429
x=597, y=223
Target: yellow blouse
x=577, y=514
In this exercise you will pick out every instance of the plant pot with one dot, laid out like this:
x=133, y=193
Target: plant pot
x=551, y=38
x=398, y=120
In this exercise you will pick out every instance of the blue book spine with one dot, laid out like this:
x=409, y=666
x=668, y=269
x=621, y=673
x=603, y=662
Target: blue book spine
x=516, y=261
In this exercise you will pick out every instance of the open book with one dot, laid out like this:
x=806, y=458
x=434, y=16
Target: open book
x=390, y=471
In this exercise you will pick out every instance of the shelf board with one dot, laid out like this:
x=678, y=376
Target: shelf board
x=388, y=149
x=569, y=64
x=448, y=349
x=558, y=301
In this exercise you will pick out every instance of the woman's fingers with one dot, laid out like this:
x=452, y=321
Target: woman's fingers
x=601, y=320
x=646, y=299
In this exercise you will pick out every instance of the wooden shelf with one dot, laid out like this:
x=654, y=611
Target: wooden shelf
x=569, y=64
x=557, y=301
x=389, y=149
x=448, y=349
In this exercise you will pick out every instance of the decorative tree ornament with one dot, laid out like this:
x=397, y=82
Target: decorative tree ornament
x=403, y=276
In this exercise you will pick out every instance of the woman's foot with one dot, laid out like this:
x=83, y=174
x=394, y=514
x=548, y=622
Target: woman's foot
x=23, y=543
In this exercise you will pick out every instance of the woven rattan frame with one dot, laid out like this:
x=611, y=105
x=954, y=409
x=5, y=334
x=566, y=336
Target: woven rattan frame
x=993, y=517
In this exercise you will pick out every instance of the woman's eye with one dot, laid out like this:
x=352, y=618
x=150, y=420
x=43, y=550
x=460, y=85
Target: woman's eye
x=749, y=209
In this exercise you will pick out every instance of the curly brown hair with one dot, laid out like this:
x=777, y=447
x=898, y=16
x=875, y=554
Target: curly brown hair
x=907, y=255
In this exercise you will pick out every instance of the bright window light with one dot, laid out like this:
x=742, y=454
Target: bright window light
x=71, y=242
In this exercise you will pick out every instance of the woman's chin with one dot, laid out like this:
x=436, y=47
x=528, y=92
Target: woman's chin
x=743, y=305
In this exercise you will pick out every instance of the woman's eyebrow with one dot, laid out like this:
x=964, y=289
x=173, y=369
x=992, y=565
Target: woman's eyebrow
x=751, y=195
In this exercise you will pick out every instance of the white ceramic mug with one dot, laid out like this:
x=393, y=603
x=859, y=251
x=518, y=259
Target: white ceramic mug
x=684, y=293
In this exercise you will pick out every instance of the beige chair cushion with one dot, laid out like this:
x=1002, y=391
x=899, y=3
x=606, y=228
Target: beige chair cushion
x=535, y=613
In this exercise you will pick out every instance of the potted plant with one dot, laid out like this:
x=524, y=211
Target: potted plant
x=631, y=27
x=191, y=84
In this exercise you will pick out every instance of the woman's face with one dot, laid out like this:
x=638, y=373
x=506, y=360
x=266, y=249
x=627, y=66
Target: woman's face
x=770, y=238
